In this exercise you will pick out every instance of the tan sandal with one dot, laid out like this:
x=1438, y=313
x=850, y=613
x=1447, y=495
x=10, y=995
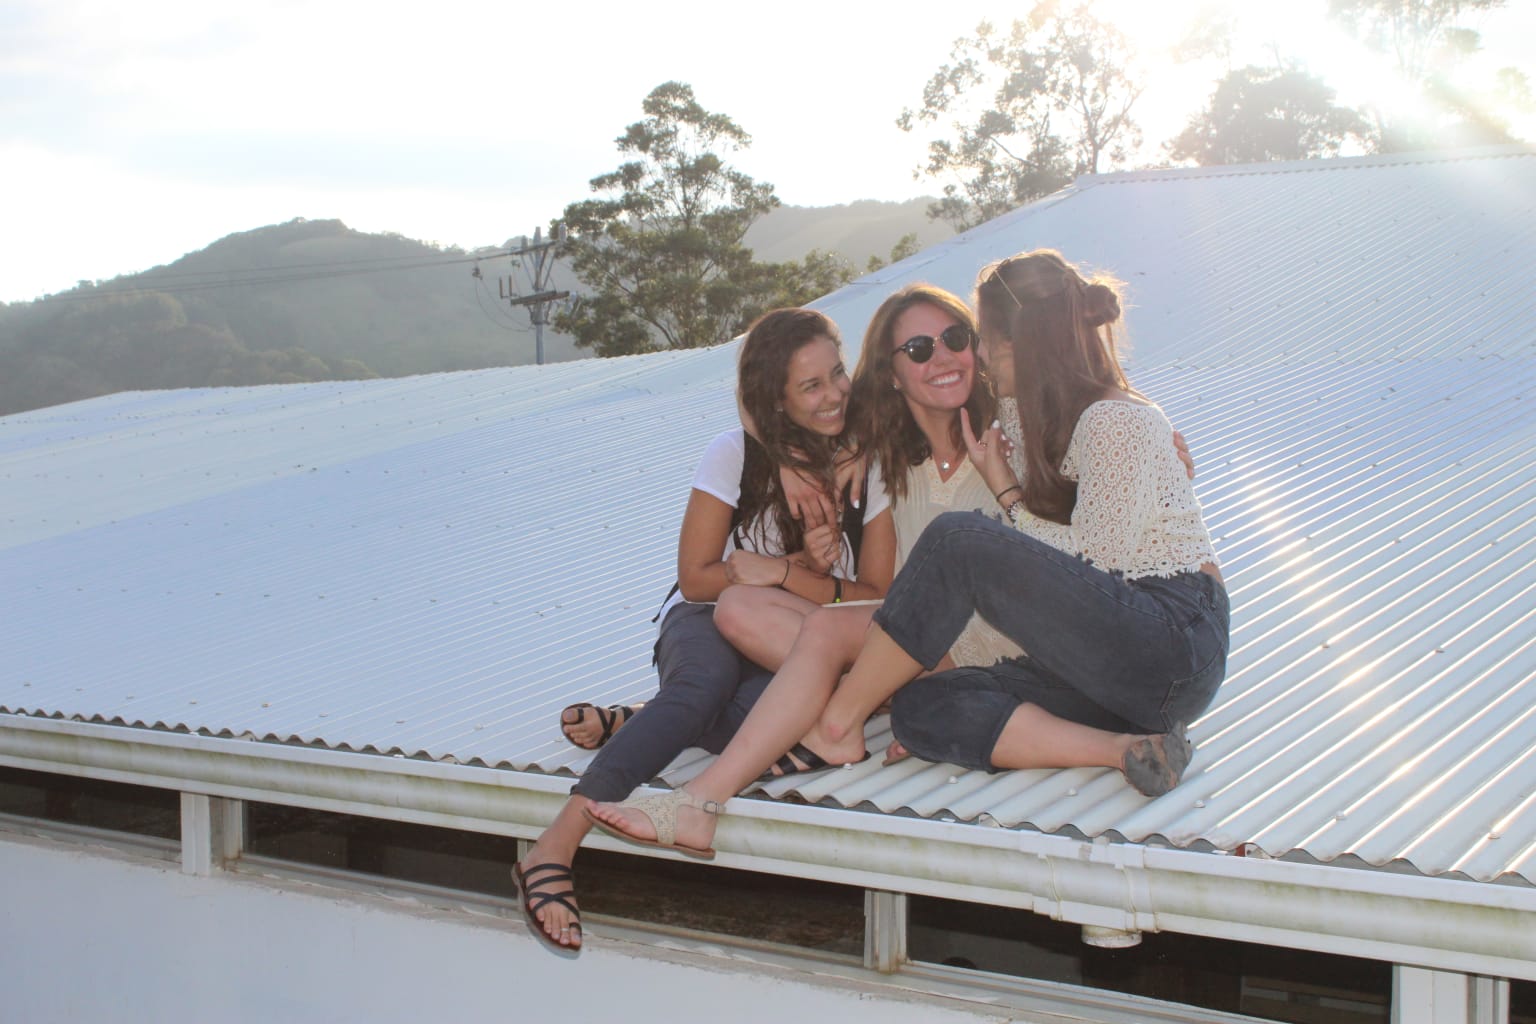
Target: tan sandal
x=661, y=809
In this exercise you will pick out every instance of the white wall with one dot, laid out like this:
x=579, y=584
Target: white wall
x=93, y=935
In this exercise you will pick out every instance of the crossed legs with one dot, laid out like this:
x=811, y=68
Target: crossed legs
x=829, y=641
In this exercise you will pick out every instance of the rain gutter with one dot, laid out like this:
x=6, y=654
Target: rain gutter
x=1478, y=928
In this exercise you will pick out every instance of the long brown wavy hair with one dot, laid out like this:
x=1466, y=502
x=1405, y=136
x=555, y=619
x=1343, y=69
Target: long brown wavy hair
x=762, y=374
x=883, y=426
x=1061, y=329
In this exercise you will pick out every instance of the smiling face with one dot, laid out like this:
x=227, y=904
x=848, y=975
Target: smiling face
x=816, y=391
x=944, y=381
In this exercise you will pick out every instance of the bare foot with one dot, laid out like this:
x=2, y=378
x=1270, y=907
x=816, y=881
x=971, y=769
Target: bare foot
x=589, y=726
x=895, y=753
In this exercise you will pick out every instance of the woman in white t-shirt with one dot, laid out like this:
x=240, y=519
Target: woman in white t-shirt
x=737, y=530
x=917, y=370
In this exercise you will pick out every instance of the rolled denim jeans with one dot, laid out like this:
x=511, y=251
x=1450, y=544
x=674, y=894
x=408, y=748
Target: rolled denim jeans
x=1137, y=655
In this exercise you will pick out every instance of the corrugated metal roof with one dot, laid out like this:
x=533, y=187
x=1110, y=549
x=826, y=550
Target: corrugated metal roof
x=435, y=565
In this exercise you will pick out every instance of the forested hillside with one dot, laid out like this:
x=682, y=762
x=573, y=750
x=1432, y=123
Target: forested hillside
x=315, y=300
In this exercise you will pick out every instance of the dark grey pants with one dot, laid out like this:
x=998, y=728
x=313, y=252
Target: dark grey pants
x=1137, y=655
x=707, y=689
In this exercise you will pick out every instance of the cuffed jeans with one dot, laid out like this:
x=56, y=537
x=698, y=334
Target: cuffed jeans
x=707, y=689
x=1139, y=655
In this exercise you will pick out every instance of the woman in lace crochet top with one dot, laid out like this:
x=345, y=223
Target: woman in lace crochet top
x=1103, y=571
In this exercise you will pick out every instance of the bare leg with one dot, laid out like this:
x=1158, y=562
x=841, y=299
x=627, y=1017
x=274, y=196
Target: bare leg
x=761, y=622
x=1035, y=738
x=558, y=845
x=830, y=640
x=882, y=668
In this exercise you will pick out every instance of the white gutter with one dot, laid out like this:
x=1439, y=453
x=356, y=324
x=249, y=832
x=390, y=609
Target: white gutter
x=1449, y=925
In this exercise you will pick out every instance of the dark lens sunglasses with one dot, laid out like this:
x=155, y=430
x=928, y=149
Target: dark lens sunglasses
x=956, y=338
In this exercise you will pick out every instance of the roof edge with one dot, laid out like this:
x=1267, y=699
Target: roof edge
x=1443, y=924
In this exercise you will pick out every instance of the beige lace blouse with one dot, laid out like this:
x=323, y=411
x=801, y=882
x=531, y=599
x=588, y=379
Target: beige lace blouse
x=1136, y=508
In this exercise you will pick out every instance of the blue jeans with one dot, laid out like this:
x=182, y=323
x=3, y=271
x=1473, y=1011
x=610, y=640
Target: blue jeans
x=1139, y=655
x=707, y=689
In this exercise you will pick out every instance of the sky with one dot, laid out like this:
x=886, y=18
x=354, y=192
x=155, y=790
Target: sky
x=131, y=134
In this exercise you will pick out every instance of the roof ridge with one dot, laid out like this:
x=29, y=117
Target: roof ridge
x=1467, y=154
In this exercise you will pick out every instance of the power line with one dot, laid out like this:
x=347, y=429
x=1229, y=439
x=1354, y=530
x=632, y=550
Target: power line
x=543, y=297
x=481, y=292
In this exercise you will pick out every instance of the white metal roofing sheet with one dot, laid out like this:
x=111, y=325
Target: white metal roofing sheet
x=434, y=566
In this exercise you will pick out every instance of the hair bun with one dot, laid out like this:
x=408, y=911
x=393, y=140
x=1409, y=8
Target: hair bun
x=1100, y=305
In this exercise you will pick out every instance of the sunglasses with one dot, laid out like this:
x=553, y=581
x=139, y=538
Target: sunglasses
x=956, y=338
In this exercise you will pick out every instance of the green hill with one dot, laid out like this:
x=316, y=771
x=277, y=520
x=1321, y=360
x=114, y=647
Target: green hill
x=315, y=300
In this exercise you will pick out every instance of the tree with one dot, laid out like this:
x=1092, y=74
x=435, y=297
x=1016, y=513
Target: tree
x=1431, y=53
x=661, y=251
x=1259, y=114
x=1059, y=69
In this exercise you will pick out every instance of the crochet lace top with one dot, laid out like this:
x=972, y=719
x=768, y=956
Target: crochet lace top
x=1136, y=510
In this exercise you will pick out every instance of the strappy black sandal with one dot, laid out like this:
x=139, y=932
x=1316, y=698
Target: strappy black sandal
x=532, y=901
x=610, y=718
x=801, y=760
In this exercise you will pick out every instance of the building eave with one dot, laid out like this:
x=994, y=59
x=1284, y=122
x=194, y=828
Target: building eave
x=1444, y=924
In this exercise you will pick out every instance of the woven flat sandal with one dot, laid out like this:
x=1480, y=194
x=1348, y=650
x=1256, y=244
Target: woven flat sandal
x=532, y=901
x=1155, y=764
x=610, y=718
x=662, y=810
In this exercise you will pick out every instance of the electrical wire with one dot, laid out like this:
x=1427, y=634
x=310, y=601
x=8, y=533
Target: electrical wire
x=493, y=318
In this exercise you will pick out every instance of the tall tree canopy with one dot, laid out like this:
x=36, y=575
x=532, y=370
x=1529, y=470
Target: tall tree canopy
x=661, y=250
x=1259, y=114
x=1430, y=49
x=1059, y=90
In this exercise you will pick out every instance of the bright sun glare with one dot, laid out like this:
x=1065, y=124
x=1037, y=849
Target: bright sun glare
x=1264, y=31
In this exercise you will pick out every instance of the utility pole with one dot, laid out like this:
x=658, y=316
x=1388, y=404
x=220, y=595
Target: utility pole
x=541, y=298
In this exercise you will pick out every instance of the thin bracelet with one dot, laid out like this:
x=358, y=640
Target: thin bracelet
x=1005, y=490
x=787, y=565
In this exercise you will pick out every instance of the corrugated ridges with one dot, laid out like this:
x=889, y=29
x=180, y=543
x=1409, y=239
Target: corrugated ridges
x=434, y=566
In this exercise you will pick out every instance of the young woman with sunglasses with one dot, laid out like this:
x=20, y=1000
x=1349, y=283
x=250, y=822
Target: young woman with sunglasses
x=1038, y=710
x=736, y=531
x=917, y=370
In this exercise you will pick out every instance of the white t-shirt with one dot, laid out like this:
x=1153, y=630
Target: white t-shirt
x=719, y=475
